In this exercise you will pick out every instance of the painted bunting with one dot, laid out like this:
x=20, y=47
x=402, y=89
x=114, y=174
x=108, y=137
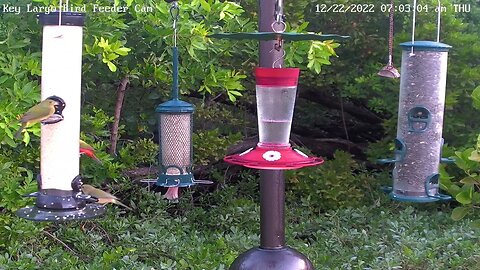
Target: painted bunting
x=88, y=150
x=171, y=194
x=37, y=113
x=102, y=196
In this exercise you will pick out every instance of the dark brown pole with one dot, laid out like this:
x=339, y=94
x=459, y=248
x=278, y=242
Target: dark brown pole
x=272, y=254
x=272, y=183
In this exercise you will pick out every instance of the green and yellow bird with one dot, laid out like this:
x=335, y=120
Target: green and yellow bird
x=102, y=196
x=37, y=113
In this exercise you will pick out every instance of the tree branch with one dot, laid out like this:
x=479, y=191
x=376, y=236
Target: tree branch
x=122, y=87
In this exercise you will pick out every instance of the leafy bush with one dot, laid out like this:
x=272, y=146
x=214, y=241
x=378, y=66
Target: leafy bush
x=338, y=183
x=466, y=190
x=210, y=146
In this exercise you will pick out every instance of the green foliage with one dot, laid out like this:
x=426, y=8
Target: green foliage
x=467, y=190
x=109, y=51
x=211, y=237
x=210, y=145
x=140, y=152
x=213, y=232
x=338, y=183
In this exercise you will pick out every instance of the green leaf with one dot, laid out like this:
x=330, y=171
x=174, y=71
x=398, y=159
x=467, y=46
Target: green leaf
x=464, y=197
x=3, y=79
x=123, y=51
x=103, y=43
x=129, y=2
x=470, y=180
x=111, y=66
x=476, y=97
x=235, y=93
x=459, y=212
x=231, y=97
x=476, y=224
x=474, y=156
x=205, y=5
x=112, y=56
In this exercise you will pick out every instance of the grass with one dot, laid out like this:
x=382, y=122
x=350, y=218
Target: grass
x=158, y=235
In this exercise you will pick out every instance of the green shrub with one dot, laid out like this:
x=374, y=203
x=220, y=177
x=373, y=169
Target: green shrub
x=340, y=182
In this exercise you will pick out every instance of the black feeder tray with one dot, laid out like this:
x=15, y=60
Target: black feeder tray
x=62, y=205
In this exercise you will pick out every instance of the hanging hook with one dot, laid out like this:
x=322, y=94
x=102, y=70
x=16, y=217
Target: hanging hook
x=174, y=12
x=279, y=44
x=278, y=59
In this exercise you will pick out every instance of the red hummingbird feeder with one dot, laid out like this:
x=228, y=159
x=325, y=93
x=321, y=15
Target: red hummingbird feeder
x=276, y=90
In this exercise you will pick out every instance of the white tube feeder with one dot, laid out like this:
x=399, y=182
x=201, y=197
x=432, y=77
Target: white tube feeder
x=420, y=121
x=59, y=197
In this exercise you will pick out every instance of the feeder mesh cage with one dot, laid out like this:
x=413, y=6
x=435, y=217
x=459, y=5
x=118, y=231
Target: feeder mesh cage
x=175, y=142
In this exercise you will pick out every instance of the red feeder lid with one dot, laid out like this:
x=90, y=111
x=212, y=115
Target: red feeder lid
x=277, y=76
x=273, y=158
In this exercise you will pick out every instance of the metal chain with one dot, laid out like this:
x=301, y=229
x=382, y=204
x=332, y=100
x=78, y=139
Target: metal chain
x=390, y=36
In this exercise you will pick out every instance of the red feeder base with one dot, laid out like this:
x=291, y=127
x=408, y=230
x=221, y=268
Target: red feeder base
x=273, y=158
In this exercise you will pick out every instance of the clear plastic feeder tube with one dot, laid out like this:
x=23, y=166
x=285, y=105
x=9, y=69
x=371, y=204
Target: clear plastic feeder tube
x=276, y=90
x=420, y=118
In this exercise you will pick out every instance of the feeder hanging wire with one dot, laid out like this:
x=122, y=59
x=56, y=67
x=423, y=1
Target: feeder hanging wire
x=439, y=12
x=413, y=25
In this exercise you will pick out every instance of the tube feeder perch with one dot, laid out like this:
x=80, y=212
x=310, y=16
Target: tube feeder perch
x=59, y=197
x=175, y=127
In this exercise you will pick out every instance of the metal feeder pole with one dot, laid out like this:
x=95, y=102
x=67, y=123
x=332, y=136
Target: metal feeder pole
x=272, y=254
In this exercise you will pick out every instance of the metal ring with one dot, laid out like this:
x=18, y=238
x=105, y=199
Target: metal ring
x=174, y=10
x=279, y=23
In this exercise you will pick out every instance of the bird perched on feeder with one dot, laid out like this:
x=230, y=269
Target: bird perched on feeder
x=102, y=196
x=88, y=150
x=37, y=113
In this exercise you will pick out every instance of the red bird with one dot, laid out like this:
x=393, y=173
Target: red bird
x=88, y=150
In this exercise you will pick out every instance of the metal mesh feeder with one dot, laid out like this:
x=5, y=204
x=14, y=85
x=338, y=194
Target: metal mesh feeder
x=420, y=121
x=175, y=118
x=276, y=90
x=175, y=127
